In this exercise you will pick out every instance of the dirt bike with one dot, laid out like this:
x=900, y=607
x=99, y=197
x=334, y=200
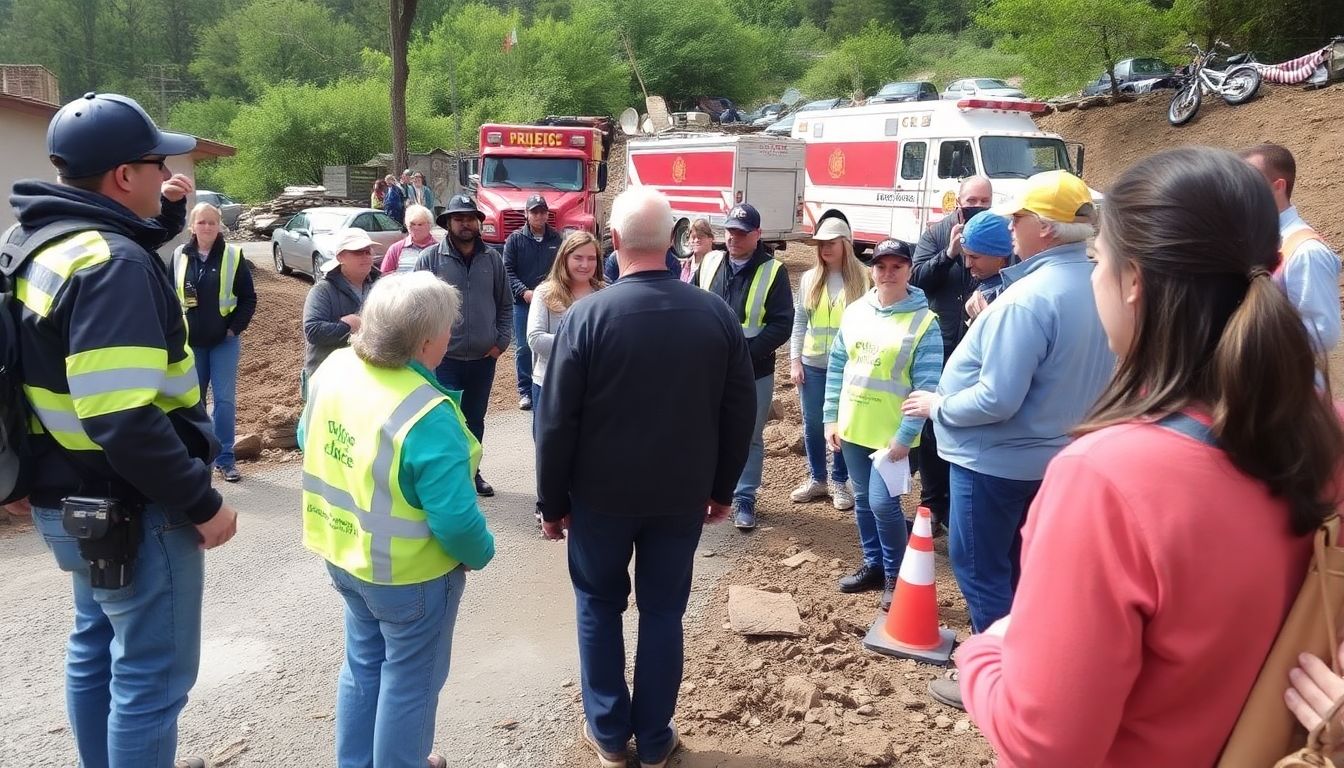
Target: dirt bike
x=1237, y=84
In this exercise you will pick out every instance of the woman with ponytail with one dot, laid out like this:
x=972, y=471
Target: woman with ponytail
x=1167, y=543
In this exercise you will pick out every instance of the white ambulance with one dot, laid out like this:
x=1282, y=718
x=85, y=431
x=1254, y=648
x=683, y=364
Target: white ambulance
x=894, y=169
x=706, y=174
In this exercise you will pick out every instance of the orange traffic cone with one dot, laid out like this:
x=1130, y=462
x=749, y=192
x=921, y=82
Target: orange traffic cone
x=910, y=629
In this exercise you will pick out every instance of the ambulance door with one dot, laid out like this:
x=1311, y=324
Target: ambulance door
x=954, y=161
x=911, y=204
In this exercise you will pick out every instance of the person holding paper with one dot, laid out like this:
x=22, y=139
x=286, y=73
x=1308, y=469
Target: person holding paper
x=888, y=345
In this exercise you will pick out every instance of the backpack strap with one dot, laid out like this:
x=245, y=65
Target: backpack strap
x=1188, y=426
x=18, y=245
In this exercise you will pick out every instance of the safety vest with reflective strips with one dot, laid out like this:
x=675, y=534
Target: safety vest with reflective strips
x=880, y=349
x=823, y=321
x=99, y=381
x=753, y=320
x=228, y=273
x=354, y=512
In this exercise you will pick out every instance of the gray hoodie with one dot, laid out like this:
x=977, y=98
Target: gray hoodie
x=331, y=298
x=486, y=317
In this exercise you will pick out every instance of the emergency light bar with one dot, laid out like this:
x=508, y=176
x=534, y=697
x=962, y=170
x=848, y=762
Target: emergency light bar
x=494, y=137
x=1008, y=105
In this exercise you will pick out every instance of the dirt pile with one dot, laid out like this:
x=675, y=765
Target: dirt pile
x=272, y=358
x=1310, y=123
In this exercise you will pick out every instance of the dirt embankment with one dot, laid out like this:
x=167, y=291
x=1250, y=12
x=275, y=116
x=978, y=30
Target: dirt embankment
x=1309, y=123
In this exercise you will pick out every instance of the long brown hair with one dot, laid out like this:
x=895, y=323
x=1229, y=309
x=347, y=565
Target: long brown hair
x=1199, y=226
x=558, y=295
x=856, y=277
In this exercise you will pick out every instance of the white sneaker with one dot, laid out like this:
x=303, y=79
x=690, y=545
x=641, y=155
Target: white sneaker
x=841, y=496
x=810, y=490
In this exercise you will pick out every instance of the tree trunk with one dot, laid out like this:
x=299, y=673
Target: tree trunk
x=402, y=16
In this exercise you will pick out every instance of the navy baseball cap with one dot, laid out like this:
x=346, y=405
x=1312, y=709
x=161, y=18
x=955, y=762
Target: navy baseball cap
x=536, y=201
x=892, y=247
x=744, y=217
x=99, y=131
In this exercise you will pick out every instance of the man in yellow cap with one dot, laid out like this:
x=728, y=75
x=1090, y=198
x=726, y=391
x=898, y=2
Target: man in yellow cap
x=1029, y=368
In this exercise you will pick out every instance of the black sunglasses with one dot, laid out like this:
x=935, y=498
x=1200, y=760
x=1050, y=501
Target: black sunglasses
x=162, y=162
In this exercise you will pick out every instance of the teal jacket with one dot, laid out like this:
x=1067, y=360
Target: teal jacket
x=436, y=477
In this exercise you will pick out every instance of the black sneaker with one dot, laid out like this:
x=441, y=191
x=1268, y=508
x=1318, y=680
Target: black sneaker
x=866, y=579
x=888, y=589
x=483, y=488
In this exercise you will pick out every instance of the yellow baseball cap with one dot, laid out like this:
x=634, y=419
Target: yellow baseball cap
x=1055, y=195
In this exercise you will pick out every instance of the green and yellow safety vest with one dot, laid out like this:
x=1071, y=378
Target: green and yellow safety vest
x=228, y=273
x=877, y=378
x=823, y=321
x=753, y=321
x=354, y=512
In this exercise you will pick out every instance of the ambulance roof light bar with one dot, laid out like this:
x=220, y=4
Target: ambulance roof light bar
x=1006, y=105
x=494, y=138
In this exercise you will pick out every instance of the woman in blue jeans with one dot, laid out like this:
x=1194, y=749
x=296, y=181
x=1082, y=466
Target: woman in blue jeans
x=888, y=344
x=824, y=291
x=214, y=284
x=389, y=502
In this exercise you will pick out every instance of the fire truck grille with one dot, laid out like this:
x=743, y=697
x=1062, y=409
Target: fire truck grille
x=515, y=220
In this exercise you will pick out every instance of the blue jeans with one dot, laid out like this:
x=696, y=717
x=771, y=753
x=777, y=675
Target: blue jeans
x=398, y=641
x=877, y=513
x=217, y=370
x=750, y=480
x=810, y=396
x=522, y=354
x=985, y=540
x=134, y=652
x=536, y=406
x=600, y=548
x=473, y=378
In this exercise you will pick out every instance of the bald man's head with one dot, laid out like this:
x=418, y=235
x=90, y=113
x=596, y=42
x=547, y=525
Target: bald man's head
x=975, y=192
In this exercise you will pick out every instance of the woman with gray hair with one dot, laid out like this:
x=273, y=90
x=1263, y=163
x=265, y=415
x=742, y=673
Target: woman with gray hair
x=388, y=501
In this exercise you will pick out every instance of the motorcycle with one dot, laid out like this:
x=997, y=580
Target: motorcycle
x=1237, y=84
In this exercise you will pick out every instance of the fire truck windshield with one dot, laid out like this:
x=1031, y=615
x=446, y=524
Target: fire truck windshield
x=1019, y=157
x=562, y=173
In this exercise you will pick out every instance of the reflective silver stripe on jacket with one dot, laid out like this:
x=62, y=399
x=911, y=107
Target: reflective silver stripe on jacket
x=377, y=520
x=894, y=385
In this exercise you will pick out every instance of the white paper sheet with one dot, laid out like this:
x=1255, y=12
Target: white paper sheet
x=896, y=474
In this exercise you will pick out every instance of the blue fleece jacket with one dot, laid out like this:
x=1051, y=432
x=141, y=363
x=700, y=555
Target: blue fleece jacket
x=925, y=366
x=1030, y=367
x=436, y=477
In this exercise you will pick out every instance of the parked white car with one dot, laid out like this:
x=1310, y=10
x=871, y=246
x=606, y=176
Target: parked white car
x=308, y=240
x=985, y=87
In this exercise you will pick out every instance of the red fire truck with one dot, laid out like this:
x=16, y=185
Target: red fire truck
x=563, y=158
x=893, y=169
x=705, y=174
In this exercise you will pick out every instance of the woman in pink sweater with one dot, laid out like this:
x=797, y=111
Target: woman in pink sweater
x=1157, y=568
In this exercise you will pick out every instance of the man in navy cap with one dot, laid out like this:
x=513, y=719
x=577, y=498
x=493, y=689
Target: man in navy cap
x=528, y=254
x=119, y=432
x=756, y=287
x=485, y=326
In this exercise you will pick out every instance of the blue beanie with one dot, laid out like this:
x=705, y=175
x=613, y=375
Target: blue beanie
x=987, y=235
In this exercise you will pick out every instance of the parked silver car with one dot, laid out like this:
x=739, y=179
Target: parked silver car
x=229, y=210
x=984, y=87
x=308, y=240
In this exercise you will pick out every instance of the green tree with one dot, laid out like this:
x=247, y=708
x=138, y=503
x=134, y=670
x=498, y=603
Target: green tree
x=1066, y=41
x=293, y=130
x=849, y=17
x=773, y=14
x=208, y=118
x=860, y=63
x=276, y=41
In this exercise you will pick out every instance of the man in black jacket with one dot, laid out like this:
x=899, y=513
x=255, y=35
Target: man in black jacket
x=940, y=271
x=528, y=255
x=117, y=415
x=756, y=287
x=642, y=431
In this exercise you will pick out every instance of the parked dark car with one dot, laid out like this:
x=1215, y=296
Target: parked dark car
x=1135, y=76
x=228, y=209
x=912, y=90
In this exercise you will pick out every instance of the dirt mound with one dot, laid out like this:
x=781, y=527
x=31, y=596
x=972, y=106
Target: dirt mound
x=272, y=357
x=1310, y=123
